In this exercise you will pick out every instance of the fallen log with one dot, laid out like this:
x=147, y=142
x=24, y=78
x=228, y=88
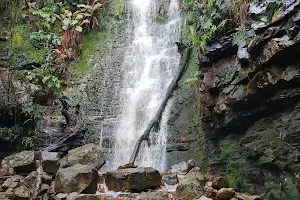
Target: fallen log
x=154, y=123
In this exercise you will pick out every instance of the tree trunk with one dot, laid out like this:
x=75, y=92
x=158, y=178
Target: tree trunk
x=156, y=119
x=39, y=169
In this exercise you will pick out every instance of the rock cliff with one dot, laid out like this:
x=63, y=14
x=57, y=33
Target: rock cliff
x=249, y=83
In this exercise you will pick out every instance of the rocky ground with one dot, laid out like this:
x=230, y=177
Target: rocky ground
x=78, y=176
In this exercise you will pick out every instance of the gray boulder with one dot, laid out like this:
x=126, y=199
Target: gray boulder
x=77, y=178
x=20, y=162
x=89, y=154
x=133, y=179
x=50, y=162
x=192, y=185
x=23, y=162
x=180, y=167
x=22, y=192
x=170, y=179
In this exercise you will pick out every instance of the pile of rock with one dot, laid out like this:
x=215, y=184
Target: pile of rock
x=75, y=172
x=76, y=177
x=195, y=185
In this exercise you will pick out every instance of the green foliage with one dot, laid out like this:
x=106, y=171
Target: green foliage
x=43, y=39
x=205, y=33
x=284, y=189
x=21, y=43
x=192, y=72
x=43, y=82
x=239, y=171
x=58, y=31
x=43, y=18
x=119, y=8
x=273, y=9
x=210, y=4
x=31, y=111
x=20, y=118
x=202, y=23
x=192, y=79
x=28, y=141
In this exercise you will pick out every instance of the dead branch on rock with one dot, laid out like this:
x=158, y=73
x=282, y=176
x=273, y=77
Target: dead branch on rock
x=39, y=170
x=74, y=130
x=156, y=119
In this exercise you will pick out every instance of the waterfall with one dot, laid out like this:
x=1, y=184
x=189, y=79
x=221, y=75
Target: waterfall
x=150, y=63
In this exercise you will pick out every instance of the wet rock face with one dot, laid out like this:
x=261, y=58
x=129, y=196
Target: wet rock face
x=133, y=179
x=250, y=94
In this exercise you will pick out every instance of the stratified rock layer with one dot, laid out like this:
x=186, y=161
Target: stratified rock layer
x=250, y=101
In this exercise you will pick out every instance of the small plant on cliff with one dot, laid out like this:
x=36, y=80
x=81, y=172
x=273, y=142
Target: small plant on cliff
x=202, y=24
x=44, y=84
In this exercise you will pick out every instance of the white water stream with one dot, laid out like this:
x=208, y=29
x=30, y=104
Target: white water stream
x=150, y=64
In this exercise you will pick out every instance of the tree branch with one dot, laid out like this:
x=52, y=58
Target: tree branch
x=156, y=119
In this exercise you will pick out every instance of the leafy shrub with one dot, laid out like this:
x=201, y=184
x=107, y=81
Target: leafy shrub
x=42, y=39
x=19, y=119
x=44, y=84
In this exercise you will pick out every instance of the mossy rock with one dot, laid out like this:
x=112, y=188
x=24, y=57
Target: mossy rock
x=24, y=52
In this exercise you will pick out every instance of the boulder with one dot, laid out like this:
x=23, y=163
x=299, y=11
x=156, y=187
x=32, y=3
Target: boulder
x=220, y=182
x=61, y=196
x=192, y=185
x=44, y=188
x=89, y=154
x=3, y=196
x=9, y=192
x=88, y=197
x=133, y=179
x=242, y=196
x=77, y=178
x=9, y=183
x=50, y=162
x=225, y=194
x=21, y=162
x=204, y=198
x=170, y=179
x=22, y=192
x=180, y=167
x=211, y=193
x=30, y=179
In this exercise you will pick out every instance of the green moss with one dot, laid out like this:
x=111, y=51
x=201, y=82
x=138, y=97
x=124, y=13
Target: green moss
x=238, y=171
x=232, y=179
x=20, y=43
x=3, y=5
x=284, y=188
x=119, y=8
x=88, y=49
x=191, y=74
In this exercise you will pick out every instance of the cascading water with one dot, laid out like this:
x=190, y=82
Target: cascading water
x=150, y=64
